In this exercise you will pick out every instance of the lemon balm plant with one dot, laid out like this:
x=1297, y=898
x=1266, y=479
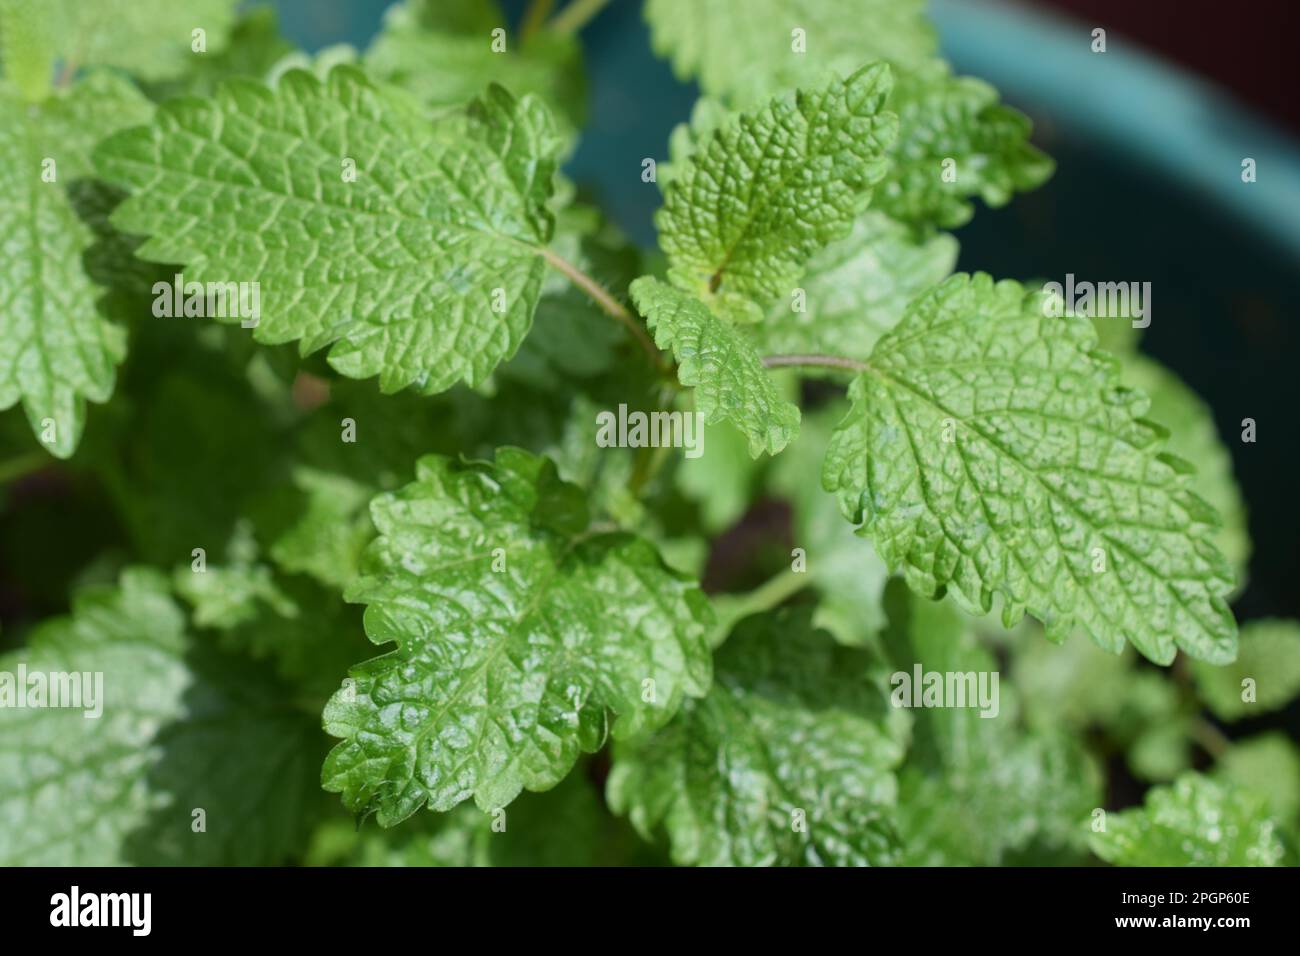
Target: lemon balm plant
x=347, y=330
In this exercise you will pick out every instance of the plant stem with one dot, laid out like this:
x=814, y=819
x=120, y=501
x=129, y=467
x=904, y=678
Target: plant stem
x=730, y=608
x=607, y=302
x=814, y=361
x=1210, y=737
x=576, y=15
x=24, y=464
x=534, y=17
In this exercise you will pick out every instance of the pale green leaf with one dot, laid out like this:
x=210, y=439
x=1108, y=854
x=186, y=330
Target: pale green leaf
x=721, y=479
x=746, y=50
x=500, y=678
x=327, y=539
x=848, y=575
x=769, y=188
x=955, y=141
x=991, y=451
x=788, y=760
x=1194, y=822
x=855, y=290
x=181, y=728
x=1264, y=677
x=446, y=62
x=27, y=48
x=717, y=359
x=1267, y=764
x=56, y=350
x=425, y=270
x=254, y=48
x=153, y=39
x=228, y=596
x=977, y=790
x=1194, y=437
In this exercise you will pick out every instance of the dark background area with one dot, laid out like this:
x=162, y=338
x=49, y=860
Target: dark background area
x=1246, y=46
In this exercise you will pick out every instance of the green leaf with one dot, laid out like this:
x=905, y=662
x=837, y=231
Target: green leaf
x=307, y=632
x=848, y=575
x=254, y=48
x=1194, y=822
x=327, y=539
x=182, y=728
x=1082, y=688
x=226, y=597
x=855, y=290
x=1162, y=751
x=56, y=350
x=500, y=678
x=770, y=188
x=27, y=44
x=745, y=49
x=789, y=759
x=573, y=338
x=958, y=121
x=1267, y=671
x=1194, y=437
x=977, y=790
x=1076, y=683
x=1268, y=765
x=400, y=269
x=990, y=451
x=721, y=479
x=177, y=487
x=149, y=38
x=718, y=360
x=447, y=63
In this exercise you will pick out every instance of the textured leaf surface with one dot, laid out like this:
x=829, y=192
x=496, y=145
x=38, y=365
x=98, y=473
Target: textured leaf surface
x=717, y=359
x=769, y=188
x=56, y=349
x=501, y=678
x=447, y=61
x=944, y=118
x=855, y=290
x=399, y=269
x=181, y=728
x=743, y=49
x=990, y=450
x=1269, y=659
x=793, y=729
x=1194, y=822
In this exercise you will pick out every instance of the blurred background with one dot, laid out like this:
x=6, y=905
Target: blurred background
x=1149, y=139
